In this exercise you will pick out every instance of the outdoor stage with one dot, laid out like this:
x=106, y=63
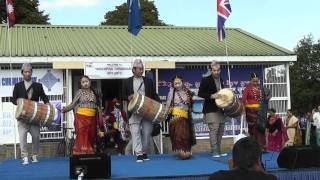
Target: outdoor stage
x=159, y=167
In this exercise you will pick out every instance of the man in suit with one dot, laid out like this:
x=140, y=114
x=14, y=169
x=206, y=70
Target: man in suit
x=140, y=128
x=28, y=89
x=213, y=115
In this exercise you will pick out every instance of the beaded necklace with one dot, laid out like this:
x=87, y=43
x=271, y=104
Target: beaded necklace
x=188, y=99
x=255, y=95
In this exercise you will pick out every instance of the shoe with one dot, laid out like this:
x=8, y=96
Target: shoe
x=145, y=157
x=139, y=158
x=25, y=161
x=34, y=159
x=223, y=154
x=215, y=155
x=215, y=151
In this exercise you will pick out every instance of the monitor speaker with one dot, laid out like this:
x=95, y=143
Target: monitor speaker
x=90, y=166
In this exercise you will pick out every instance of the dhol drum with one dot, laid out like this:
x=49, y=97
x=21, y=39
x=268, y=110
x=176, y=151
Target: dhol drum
x=147, y=108
x=32, y=112
x=230, y=104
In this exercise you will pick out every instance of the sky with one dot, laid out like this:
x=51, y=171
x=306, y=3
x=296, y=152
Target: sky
x=283, y=22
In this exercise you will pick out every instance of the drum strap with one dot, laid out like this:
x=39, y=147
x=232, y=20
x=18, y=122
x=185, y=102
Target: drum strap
x=140, y=87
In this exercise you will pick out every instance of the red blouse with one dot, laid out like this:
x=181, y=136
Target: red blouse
x=251, y=95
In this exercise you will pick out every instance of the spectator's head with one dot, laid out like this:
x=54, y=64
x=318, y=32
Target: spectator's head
x=272, y=111
x=289, y=113
x=137, y=68
x=26, y=71
x=246, y=154
x=215, y=68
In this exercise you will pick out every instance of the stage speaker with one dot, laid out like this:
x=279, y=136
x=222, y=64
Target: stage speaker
x=90, y=166
x=299, y=157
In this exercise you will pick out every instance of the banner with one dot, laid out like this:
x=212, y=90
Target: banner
x=51, y=80
x=240, y=76
x=7, y=124
x=108, y=70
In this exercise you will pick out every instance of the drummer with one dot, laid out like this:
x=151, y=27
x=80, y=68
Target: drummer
x=213, y=115
x=140, y=128
x=28, y=89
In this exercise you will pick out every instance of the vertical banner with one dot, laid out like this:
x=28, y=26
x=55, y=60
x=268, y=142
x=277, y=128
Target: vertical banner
x=7, y=124
x=240, y=76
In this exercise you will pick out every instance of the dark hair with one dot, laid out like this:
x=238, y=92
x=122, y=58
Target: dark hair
x=246, y=153
x=253, y=75
x=175, y=77
x=272, y=110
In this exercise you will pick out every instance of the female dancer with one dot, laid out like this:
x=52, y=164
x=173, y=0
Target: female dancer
x=85, y=108
x=179, y=107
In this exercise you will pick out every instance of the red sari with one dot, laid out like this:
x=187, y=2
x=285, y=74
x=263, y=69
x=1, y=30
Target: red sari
x=276, y=142
x=85, y=127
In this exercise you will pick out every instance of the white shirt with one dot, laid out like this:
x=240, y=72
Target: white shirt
x=136, y=84
x=27, y=84
x=316, y=119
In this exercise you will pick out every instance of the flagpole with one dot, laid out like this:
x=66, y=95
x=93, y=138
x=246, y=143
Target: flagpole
x=11, y=75
x=228, y=65
x=131, y=45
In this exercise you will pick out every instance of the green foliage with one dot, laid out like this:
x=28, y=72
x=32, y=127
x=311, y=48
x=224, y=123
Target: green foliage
x=26, y=12
x=305, y=76
x=149, y=13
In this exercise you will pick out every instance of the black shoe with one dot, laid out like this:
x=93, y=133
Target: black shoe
x=139, y=158
x=145, y=157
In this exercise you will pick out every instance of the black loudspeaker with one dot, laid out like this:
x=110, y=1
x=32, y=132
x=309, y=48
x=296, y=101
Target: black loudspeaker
x=299, y=157
x=90, y=166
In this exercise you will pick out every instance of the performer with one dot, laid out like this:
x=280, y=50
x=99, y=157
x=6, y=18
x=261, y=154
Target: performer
x=113, y=127
x=213, y=115
x=28, y=89
x=85, y=105
x=293, y=130
x=255, y=99
x=139, y=84
x=179, y=106
x=276, y=133
x=308, y=128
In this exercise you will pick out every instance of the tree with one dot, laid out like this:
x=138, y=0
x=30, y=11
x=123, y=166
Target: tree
x=26, y=11
x=149, y=13
x=305, y=75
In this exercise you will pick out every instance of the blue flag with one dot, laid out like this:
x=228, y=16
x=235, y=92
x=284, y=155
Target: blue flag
x=134, y=18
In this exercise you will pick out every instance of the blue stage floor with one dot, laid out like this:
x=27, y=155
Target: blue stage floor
x=125, y=167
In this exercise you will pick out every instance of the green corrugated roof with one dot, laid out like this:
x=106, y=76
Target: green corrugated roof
x=49, y=40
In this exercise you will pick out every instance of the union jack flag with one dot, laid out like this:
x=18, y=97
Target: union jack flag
x=223, y=11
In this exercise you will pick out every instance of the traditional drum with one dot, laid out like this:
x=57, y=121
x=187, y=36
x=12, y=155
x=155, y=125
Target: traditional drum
x=230, y=104
x=147, y=108
x=35, y=113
